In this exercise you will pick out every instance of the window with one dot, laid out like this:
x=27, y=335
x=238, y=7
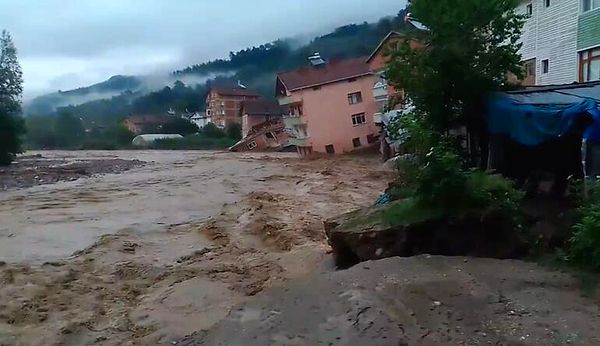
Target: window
x=354, y=98
x=296, y=110
x=330, y=149
x=251, y=145
x=208, y=112
x=358, y=119
x=530, y=10
x=270, y=135
x=589, y=5
x=589, y=65
x=356, y=142
x=545, y=66
x=547, y=3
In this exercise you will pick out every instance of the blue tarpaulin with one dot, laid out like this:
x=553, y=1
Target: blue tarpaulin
x=532, y=124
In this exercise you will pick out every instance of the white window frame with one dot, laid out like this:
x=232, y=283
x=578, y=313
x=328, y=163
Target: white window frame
x=359, y=119
x=547, y=63
x=591, y=5
x=355, y=98
x=252, y=145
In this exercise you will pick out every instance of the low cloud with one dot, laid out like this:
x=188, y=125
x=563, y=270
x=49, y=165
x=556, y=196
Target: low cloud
x=64, y=44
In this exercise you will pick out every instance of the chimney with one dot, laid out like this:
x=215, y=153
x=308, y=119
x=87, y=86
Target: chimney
x=316, y=60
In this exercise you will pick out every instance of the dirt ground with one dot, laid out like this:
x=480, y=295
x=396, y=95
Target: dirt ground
x=423, y=300
x=167, y=248
x=30, y=170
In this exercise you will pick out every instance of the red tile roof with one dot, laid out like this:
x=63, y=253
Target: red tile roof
x=331, y=72
x=389, y=37
x=261, y=107
x=234, y=91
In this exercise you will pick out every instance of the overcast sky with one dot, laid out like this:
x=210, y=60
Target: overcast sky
x=65, y=44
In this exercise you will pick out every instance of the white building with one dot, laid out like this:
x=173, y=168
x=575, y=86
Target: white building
x=550, y=41
x=200, y=119
x=561, y=41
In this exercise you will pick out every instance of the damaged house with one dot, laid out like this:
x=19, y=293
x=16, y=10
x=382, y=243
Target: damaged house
x=263, y=128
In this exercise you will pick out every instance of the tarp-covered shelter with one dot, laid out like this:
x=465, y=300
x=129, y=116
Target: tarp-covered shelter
x=542, y=128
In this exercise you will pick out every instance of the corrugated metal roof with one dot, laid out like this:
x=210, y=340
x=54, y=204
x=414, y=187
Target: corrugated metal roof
x=556, y=94
x=145, y=139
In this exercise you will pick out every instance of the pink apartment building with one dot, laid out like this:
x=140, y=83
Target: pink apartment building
x=330, y=105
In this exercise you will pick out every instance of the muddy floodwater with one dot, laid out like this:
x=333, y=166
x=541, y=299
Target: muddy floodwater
x=166, y=248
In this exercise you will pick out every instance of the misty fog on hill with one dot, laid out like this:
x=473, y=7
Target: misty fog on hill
x=255, y=67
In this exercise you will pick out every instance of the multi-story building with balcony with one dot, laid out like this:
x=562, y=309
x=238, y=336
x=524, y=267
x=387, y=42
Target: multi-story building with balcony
x=330, y=105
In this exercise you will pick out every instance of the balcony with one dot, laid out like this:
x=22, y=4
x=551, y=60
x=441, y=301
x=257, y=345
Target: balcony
x=287, y=100
x=292, y=120
x=300, y=142
x=380, y=92
x=378, y=118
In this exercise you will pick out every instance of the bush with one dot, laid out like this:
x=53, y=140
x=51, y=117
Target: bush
x=212, y=131
x=439, y=185
x=584, y=249
x=585, y=243
x=234, y=131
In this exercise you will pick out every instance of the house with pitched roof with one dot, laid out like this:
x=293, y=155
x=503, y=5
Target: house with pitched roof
x=143, y=124
x=382, y=91
x=329, y=105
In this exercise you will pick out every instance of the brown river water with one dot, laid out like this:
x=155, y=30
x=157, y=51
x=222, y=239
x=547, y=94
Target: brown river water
x=159, y=251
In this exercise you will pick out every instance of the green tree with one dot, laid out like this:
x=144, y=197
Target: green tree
x=210, y=130
x=119, y=135
x=11, y=88
x=180, y=126
x=234, y=131
x=69, y=130
x=467, y=52
x=447, y=72
x=40, y=133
